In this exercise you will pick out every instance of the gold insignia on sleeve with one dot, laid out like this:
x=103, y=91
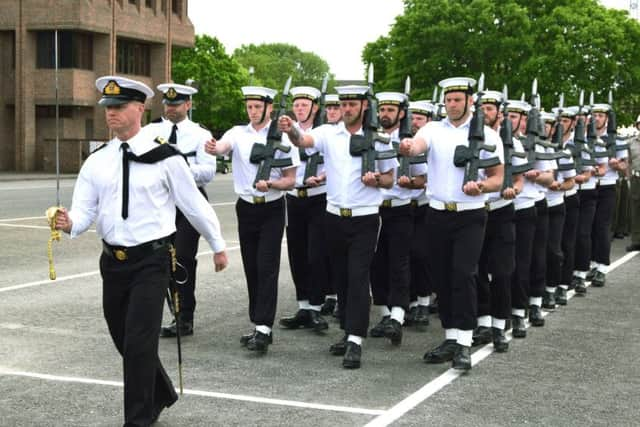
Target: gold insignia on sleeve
x=111, y=88
x=171, y=93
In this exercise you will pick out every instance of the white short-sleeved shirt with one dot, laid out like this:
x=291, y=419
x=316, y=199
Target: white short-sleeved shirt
x=610, y=175
x=562, y=175
x=190, y=139
x=303, y=163
x=344, y=171
x=155, y=190
x=445, y=179
x=397, y=192
x=241, y=139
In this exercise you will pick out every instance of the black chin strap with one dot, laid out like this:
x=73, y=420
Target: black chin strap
x=264, y=112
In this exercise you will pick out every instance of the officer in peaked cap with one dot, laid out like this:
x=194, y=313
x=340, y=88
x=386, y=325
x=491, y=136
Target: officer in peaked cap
x=189, y=138
x=260, y=209
x=456, y=218
x=134, y=207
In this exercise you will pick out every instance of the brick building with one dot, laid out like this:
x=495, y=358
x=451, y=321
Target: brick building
x=95, y=38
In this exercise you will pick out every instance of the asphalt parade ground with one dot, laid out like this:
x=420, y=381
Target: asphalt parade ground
x=58, y=366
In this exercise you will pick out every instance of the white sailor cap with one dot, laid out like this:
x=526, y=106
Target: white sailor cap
x=491, y=97
x=259, y=93
x=120, y=90
x=174, y=94
x=425, y=108
x=600, y=108
x=518, y=106
x=570, y=112
x=457, y=84
x=546, y=116
x=391, y=98
x=352, y=92
x=586, y=109
x=306, y=92
x=331, y=99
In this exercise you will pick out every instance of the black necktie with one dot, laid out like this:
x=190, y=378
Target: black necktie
x=125, y=180
x=172, y=138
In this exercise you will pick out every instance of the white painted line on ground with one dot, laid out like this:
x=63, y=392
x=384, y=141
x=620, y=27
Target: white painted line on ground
x=79, y=275
x=39, y=227
x=437, y=384
x=25, y=218
x=240, y=397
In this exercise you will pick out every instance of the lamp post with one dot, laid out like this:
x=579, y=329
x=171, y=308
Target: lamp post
x=193, y=83
x=251, y=71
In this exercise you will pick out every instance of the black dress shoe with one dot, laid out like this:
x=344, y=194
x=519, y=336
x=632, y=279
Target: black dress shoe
x=579, y=285
x=433, y=308
x=518, y=327
x=500, y=343
x=591, y=274
x=421, y=321
x=393, y=331
x=352, y=356
x=302, y=319
x=561, y=296
x=410, y=316
x=317, y=322
x=618, y=235
x=378, y=330
x=186, y=329
x=598, y=280
x=259, y=342
x=328, y=307
x=549, y=300
x=633, y=247
x=339, y=348
x=535, y=316
x=244, y=339
x=481, y=335
x=462, y=358
x=443, y=353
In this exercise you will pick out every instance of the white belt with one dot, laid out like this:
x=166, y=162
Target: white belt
x=588, y=186
x=525, y=205
x=608, y=181
x=258, y=200
x=455, y=206
x=350, y=212
x=501, y=203
x=307, y=192
x=555, y=202
x=571, y=192
x=635, y=174
x=394, y=203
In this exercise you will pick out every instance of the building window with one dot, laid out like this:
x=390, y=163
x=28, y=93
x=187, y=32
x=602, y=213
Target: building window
x=133, y=58
x=163, y=6
x=49, y=111
x=176, y=6
x=75, y=50
x=150, y=4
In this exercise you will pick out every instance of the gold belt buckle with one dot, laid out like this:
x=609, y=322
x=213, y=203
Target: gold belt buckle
x=302, y=192
x=386, y=203
x=345, y=212
x=120, y=254
x=258, y=200
x=451, y=206
x=414, y=203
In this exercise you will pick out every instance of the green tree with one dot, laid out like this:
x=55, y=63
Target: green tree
x=273, y=62
x=567, y=44
x=218, y=104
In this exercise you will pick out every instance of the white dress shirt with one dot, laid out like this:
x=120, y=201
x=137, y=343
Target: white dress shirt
x=557, y=197
x=155, y=190
x=402, y=193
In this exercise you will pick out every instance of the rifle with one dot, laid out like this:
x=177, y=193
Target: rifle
x=405, y=132
x=315, y=159
x=611, y=145
x=364, y=145
x=506, y=135
x=580, y=145
x=469, y=156
x=320, y=117
x=439, y=102
x=264, y=154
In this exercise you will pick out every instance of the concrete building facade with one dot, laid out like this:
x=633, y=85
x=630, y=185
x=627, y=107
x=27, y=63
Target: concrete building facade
x=133, y=38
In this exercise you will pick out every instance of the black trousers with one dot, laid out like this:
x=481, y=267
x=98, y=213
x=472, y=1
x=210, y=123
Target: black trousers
x=453, y=248
x=569, y=232
x=421, y=283
x=539, y=254
x=307, y=248
x=497, y=259
x=390, y=272
x=554, y=245
x=351, y=242
x=600, y=233
x=588, y=199
x=260, y=228
x=133, y=295
x=525, y=222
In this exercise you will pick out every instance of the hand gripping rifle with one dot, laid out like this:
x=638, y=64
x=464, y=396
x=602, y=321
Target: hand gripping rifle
x=468, y=157
x=506, y=135
x=315, y=159
x=364, y=145
x=405, y=132
x=264, y=154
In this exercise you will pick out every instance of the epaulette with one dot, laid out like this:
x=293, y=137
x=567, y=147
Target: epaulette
x=160, y=140
x=158, y=120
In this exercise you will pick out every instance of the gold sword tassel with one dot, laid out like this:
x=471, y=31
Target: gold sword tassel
x=55, y=235
x=176, y=312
